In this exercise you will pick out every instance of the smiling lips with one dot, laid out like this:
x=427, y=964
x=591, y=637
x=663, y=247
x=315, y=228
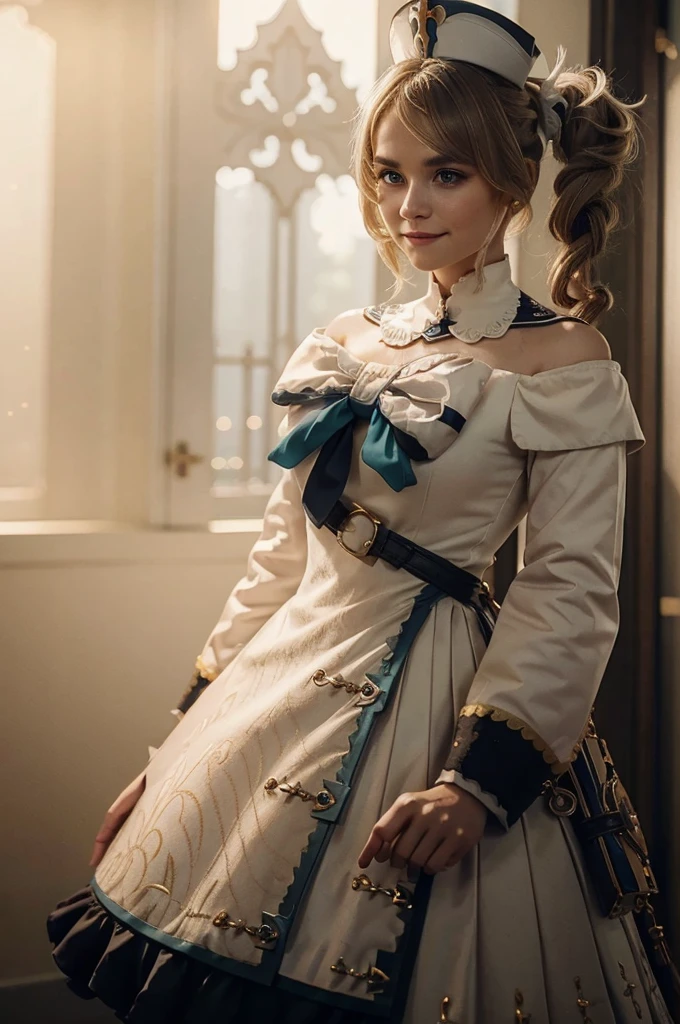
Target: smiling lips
x=421, y=237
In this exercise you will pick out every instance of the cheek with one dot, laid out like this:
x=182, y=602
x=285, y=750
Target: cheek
x=390, y=204
x=468, y=209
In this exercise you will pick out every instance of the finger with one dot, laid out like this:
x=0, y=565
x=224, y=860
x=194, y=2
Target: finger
x=384, y=852
x=99, y=849
x=461, y=850
x=385, y=830
x=430, y=843
x=107, y=831
x=443, y=857
x=406, y=844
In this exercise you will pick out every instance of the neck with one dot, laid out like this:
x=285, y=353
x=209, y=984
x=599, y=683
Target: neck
x=447, y=277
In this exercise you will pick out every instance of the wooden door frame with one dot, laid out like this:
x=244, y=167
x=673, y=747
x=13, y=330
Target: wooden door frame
x=623, y=38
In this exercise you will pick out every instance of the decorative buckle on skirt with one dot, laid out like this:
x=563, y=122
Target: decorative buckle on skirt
x=363, y=550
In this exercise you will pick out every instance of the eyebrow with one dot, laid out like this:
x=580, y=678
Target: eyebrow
x=434, y=161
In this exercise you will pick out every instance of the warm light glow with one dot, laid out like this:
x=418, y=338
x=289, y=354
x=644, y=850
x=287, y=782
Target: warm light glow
x=236, y=462
x=349, y=33
x=219, y=463
x=254, y=422
x=27, y=95
x=224, y=423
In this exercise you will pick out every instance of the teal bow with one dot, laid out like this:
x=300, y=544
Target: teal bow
x=386, y=449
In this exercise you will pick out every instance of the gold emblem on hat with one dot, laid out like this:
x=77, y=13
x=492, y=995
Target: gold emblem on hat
x=420, y=15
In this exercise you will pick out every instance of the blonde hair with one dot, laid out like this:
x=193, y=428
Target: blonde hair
x=481, y=119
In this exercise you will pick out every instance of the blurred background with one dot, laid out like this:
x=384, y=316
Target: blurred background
x=176, y=214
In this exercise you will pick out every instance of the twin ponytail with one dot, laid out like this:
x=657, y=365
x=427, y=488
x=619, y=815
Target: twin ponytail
x=600, y=138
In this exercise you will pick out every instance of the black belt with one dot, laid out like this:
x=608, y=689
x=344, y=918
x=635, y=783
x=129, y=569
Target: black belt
x=403, y=553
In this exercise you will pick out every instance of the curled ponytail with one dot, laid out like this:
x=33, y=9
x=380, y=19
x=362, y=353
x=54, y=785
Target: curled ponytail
x=599, y=139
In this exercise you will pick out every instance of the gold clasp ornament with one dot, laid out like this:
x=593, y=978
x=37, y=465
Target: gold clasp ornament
x=322, y=800
x=400, y=895
x=265, y=933
x=373, y=975
x=582, y=1002
x=444, y=1012
x=368, y=690
x=629, y=990
x=520, y=1016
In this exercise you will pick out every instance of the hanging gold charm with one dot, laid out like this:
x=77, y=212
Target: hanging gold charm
x=582, y=1002
x=629, y=990
x=322, y=800
x=401, y=896
x=374, y=977
x=368, y=690
x=444, y=1012
x=264, y=933
x=520, y=1016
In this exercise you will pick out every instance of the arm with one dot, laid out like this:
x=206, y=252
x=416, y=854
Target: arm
x=535, y=686
x=531, y=696
x=275, y=566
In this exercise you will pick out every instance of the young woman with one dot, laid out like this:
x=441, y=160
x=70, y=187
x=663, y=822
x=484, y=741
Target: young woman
x=347, y=822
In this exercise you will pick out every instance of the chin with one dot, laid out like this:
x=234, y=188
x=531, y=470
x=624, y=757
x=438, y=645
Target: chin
x=427, y=259
x=431, y=257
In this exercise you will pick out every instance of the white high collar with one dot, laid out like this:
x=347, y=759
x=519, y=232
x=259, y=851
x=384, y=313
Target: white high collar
x=486, y=313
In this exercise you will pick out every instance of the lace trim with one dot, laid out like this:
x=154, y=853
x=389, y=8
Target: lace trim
x=517, y=725
x=494, y=329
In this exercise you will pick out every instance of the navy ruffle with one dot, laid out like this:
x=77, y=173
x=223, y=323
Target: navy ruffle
x=144, y=983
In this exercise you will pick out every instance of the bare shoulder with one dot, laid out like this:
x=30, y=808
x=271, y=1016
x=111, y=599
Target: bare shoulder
x=347, y=325
x=569, y=342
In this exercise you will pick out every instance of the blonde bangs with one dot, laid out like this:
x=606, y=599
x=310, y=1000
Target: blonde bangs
x=454, y=110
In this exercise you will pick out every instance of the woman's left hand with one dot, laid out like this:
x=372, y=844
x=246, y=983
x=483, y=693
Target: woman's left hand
x=433, y=829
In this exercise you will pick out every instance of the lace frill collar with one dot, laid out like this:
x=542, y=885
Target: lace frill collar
x=472, y=315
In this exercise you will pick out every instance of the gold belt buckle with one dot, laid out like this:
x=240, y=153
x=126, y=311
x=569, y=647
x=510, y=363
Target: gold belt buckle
x=362, y=552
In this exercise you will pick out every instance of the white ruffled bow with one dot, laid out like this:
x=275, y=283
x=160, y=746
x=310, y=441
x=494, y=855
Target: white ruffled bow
x=415, y=412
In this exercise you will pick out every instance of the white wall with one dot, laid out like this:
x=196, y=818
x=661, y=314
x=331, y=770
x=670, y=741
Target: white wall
x=102, y=319
x=98, y=635
x=100, y=625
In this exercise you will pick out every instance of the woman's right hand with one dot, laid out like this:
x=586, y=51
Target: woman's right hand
x=116, y=815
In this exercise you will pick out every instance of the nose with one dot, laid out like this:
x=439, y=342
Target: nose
x=416, y=203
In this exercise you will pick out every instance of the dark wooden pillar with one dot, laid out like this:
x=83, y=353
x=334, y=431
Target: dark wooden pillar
x=623, y=42
x=630, y=709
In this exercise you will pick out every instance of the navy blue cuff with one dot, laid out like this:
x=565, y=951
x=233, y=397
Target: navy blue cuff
x=500, y=760
x=194, y=691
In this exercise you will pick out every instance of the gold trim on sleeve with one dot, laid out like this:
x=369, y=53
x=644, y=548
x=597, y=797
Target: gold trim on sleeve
x=516, y=724
x=205, y=671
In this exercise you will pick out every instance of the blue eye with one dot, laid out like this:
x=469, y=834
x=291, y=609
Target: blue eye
x=454, y=176
x=381, y=176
